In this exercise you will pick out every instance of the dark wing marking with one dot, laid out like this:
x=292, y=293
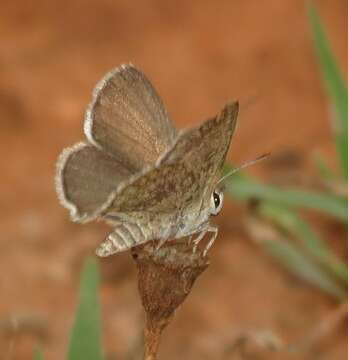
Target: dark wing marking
x=85, y=178
x=127, y=118
x=185, y=173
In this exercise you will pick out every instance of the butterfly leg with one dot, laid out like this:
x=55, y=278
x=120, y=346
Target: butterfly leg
x=196, y=241
x=214, y=230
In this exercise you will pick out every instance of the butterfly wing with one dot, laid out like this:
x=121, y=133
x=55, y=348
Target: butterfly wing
x=127, y=127
x=85, y=178
x=184, y=174
x=127, y=118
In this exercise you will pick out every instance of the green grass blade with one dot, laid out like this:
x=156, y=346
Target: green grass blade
x=295, y=261
x=243, y=188
x=85, y=342
x=324, y=170
x=38, y=355
x=293, y=224
x=308, y=238
x=335, y=85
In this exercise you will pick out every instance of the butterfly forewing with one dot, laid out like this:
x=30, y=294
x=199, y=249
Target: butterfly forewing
x=127, y=118
x=186, y=173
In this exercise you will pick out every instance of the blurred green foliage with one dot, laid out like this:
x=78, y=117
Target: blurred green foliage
x=294, y=243
x=335, y=85
x=38, y=355
x=85, y=339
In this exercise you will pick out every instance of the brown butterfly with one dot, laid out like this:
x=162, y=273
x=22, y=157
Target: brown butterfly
x=137, y=172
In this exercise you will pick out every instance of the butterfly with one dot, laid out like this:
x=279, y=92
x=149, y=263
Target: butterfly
x=137, y=172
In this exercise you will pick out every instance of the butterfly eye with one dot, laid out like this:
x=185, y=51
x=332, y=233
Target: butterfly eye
x=216, y=199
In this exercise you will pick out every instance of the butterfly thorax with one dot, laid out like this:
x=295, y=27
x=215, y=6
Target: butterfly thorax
x=191, y=221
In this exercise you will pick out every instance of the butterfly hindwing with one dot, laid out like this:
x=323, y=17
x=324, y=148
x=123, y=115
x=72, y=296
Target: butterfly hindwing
x=85, y=178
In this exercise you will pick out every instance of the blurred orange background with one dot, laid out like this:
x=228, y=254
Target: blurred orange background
x=198, y=54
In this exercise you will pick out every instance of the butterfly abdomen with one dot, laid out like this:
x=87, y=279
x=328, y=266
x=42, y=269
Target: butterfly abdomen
x=123, y=237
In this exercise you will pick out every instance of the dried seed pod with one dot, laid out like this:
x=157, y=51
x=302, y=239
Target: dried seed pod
x=165, y=278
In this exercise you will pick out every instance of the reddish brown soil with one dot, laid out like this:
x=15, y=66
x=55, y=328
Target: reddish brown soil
x=198, y=54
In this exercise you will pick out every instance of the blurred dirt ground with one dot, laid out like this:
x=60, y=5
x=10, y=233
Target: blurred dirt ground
x=198, y=54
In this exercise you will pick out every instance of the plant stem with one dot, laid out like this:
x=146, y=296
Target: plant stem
x=152, y=336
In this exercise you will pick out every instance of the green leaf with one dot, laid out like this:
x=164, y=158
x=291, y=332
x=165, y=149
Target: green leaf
x=323, y=168
x=293, y=224
x=85, y=342
x=308, y=238
x=335, y=86
x=38, y=355
x=243, y=188
x=289, y=256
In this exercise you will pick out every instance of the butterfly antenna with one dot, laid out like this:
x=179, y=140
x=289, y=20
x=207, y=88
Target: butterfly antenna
x=244, y=165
